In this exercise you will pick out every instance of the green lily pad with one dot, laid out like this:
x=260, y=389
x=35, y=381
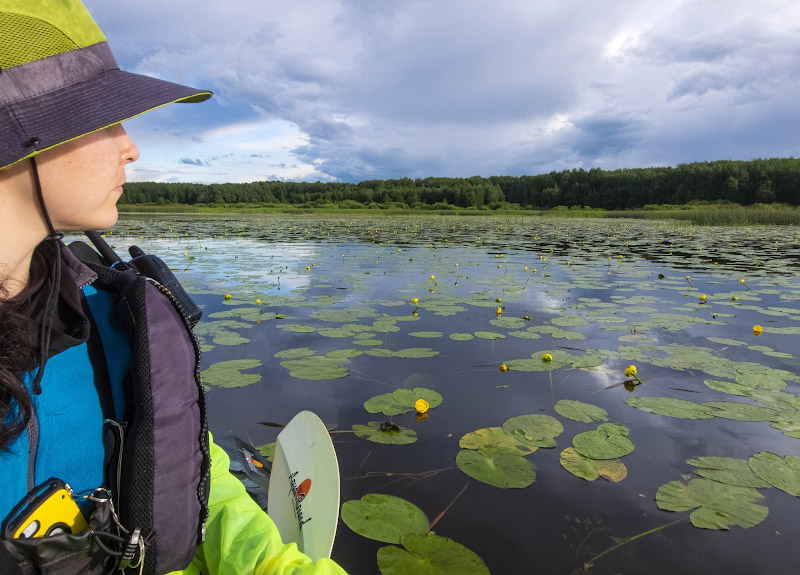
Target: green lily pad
x=741, y=411
x=727, y=470
x=534, y=429
x=493, y=437
x=590, y=469
x=579, y=411
x=298, y=328
x=461, y=336
x=229, y=373
x=425, y=334
x=409, y=397
x=295, y=353
x=408, y=353
x=608, y=441
x=671, y=407
x=315, y=368
x=489, y=335
x=498, y=466
x=729, y=387
x=782, y=472
x=343, y=353
x=373, y=432
x=267, y=450
x=718, y=506
x=383, y=517
x=429, y=555
x=385, y=403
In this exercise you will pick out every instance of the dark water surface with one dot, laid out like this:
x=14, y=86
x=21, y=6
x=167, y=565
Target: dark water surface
x=583, y=301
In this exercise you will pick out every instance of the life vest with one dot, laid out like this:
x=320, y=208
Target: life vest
x=158, y=463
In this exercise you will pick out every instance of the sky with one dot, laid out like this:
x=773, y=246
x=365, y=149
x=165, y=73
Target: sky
x=353, y=90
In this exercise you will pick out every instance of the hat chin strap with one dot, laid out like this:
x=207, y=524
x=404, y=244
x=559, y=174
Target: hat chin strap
x=45, y=328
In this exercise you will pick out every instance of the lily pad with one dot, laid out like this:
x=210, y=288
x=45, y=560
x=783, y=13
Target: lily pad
x=408, y=353
x=373, y=432
x=729, y=387
x=383, y=517
x=493, y=437
x=315, y=368
x=781, y=472
x=429, y=555
x=267, y=450
x=741, y=411
x=534, y=429
x=385, y=403
x=409, y=397
x=489, y=335
x=727, y=470
x=608, y=441
x=229, y=373
x=425, y=334
x=590, y=469
x=499, y=466
x=671, y=407
x=579, y=411
x=461, y=336
x=718, y=506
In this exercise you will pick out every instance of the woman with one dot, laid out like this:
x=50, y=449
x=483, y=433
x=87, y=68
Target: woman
x=69, y=362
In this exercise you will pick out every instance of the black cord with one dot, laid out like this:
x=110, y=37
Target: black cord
x=45, y=328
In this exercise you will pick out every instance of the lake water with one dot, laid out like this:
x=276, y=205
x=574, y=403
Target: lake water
x=336, y=302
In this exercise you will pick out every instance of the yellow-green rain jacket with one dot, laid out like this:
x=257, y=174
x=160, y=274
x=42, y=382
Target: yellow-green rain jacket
x=241, y=538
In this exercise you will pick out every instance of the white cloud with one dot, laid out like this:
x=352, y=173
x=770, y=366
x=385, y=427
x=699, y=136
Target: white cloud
x=350, y=89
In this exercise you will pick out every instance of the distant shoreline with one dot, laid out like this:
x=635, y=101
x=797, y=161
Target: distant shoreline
x=700, y=213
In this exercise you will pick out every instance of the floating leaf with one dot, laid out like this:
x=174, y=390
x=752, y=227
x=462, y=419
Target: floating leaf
x=409, y=397
x=493, y=437
x=372, y=432
x=385, y=403
x=229, y=373
x=498, y=466
x=295, y=353
x=590, y=469
x=534, y=429
x=315, y=368
x=728, y=387
x=343, y=353
x=383, y=517
x=727, y=470
x=741, y=411
x=430, y=334
x=489, y=335
x=408, y=353
x=461, y=336
x=429, y=555
x=671, y=407
x=298, y=328
x=579, y=411
x=782, y=472
x=718, y=505
x=267, y=450
x=608, y=441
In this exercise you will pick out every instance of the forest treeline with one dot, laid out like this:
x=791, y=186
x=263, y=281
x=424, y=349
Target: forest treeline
x=763, y=181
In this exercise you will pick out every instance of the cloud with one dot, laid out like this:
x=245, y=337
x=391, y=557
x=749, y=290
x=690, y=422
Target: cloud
x=351, y=90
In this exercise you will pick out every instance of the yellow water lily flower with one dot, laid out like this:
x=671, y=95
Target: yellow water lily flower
x=703, y=298
x=227, y=297
x=547, y=358
x=498, y=311
x=421, y=405
x=758, y=330
x=630, y=371
x=498, y=300
x=414, y=300
x=504, y=368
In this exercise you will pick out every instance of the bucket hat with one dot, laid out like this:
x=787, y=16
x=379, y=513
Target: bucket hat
x=59, y=80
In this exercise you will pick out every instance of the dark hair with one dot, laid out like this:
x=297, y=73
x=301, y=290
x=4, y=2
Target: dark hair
x=15, y=401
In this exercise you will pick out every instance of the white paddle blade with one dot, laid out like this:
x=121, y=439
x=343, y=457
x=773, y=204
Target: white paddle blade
x=303, y=496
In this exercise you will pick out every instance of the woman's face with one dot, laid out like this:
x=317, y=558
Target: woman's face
x=82, y=180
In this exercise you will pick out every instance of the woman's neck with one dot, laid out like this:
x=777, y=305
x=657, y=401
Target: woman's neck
x=22, y=226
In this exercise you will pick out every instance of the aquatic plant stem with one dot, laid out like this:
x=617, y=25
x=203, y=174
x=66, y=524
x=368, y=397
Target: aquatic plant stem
x=590, y=563
x=445, y=510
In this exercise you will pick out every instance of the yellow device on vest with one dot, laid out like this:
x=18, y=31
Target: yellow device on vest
x=48, y=509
